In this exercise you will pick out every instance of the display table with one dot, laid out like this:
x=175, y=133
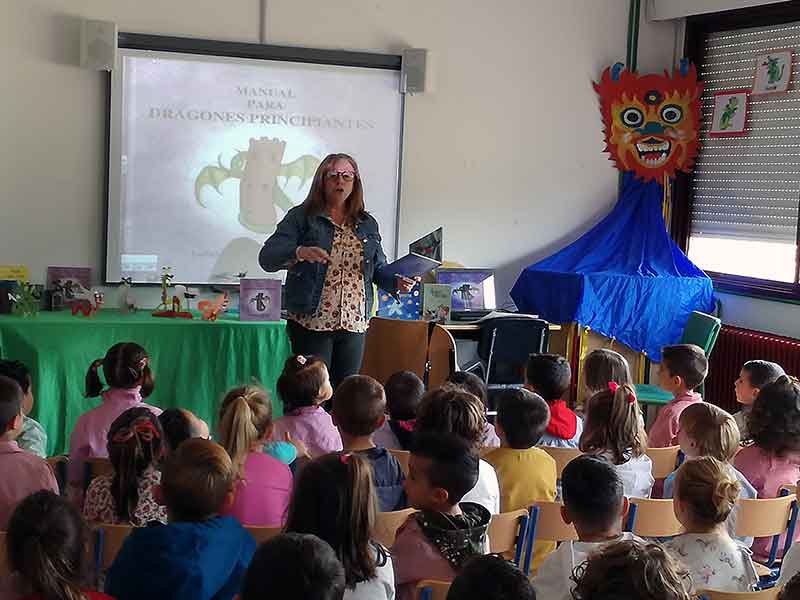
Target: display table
x=194, y=362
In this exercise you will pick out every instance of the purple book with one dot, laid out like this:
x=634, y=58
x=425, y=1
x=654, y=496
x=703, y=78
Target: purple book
x=68, y=281
x=260, y=300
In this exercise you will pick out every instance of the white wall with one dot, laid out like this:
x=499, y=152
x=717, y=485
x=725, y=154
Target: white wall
x=506, y=152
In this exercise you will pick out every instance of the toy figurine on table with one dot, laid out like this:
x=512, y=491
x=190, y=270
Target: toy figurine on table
x=126, y=301
x=171, y=307
x=211, y=309
x=86, y=302
x=26, y=299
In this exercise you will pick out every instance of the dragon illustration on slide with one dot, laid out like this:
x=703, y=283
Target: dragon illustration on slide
x=258, y=169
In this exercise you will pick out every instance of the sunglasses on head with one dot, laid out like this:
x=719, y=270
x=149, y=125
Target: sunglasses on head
x=346, y=175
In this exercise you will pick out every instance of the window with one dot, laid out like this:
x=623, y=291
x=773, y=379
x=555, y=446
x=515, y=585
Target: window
x=743, y=198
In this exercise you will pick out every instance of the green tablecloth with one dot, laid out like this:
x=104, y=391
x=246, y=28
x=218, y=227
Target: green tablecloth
x=194, y=361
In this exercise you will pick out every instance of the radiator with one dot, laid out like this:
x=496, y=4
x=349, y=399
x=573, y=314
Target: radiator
x=735, y=346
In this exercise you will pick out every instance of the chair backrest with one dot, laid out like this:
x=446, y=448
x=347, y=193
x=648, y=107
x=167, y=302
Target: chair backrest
x=262, y=534
x=108, y=540
x=394, y=345
x=442, y=356
x=59, y=466
x=5, y=568
x=94, y=467
x=402, y=457
x=763, y=517
x=507, y=533
x=768, y=594
x=547, y=524
x=387, y=523
x=430, y=589
x=510, y=341
x=664, y=460
x=562, y=456
x=652, y=518
x=702, y=330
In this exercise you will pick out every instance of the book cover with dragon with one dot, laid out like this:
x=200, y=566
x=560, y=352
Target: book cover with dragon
x=260, y=300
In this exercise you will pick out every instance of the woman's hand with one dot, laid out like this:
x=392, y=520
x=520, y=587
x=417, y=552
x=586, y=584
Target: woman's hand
x=312, y=254
x=405, y=284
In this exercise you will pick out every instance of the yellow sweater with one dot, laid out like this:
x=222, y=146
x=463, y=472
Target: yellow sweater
x=525, y=476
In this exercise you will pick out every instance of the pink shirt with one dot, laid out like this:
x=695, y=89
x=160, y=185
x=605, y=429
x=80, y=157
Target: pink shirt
x=313, y=426
x=23, y=473
x=88, y=439
x=415, y=558
x=664, y=431
x=262, y=495
x=767, y=473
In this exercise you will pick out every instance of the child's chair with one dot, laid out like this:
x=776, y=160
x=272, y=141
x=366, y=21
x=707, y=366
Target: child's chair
x=652, y=518
x=546, y=525
x=5, y=570
x=507, y=533
x=768, y=517
x=769, y=594
x=108, y=540
x=562, y=456
x=59, y=465
x=263, y=534
x=402, y=457
x=387, y=524
x=664, y=460
x=430, y=589
x=94, y=467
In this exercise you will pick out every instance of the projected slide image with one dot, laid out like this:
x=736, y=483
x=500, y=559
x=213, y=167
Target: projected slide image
x=212, y=153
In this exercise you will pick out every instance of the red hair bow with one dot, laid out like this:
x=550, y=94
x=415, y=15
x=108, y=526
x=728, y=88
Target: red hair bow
x=613, y=386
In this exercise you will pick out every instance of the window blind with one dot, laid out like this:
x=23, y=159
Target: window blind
x=749, y=187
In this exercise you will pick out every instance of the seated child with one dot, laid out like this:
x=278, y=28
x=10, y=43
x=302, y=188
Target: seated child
x=303, y=387
x=491, y=577
x=46, y=551
x=602, y=366
x=180, y=425
x=773, y=459
x=335, y=500
x=436, y=542
x=23, y=472
x=549, y=375
x=614, y=429
x=404, y=391
x=754, y=375
x=264, y=483
x=358, y=411
x=475, y=386
x=33, y=437
x=294, y=566
x=135, y=447
x=632, y=570
x=452, y=410
x=704, y=496
x=526, y=473
x=683, y=368
x=199, y=555
x=707, y=430
x=127, y=372
x=595, y=504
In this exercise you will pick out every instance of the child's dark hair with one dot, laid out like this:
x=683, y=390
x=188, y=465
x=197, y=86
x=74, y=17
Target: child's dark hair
x=334, y=499
x=490, y=577
x=135, y=442
x=705, y=485
x=18, y=372
x=593, y=492
x=46, y=543
x=523, y=416
x=603, y=365
x=791, y=590
x=762, y=372
x=294, y=566
x=549, y=375
x=613, y=423
x=195, y=480
x=450, y=409
x=454, y=462
x=712, y=429
x=300, y=382
x=245, y=417
x=10, y=402
x=177, y=427
x=774, y=421
x=125, y=365
x=359, y=404
x=632, y=570
x=686, y=361
x=472, y=383
x=404, y=391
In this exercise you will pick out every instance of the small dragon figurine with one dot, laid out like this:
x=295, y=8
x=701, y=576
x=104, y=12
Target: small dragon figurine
x=211, y=309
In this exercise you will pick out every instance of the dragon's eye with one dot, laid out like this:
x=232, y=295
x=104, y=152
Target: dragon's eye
x=671, y=113
x=632, y=117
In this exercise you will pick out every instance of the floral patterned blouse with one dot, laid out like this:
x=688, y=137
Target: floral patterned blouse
x=715, y=561
x=343, y=302
x=99, y=504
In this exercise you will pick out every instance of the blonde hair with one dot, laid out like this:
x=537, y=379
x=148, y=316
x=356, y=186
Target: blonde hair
x=614, y=425
x=707, y=488
x=245, y=417
x=713, y=430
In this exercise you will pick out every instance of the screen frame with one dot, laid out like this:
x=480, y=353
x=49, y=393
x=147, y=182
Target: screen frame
x=225, y=49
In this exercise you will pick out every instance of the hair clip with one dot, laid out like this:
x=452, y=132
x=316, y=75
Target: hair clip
x=143, y=363
x=344, y=458
x=301, y=359
x=613, y=386
x=631, y=398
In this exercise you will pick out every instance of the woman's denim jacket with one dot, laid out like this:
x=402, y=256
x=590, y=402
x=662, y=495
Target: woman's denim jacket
x=304, y=280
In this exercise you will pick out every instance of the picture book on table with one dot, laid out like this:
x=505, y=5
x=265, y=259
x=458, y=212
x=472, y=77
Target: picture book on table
x=407, y=307
x=260, y=300
x=437, y=302
x=473, y=289
x=68, y=282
